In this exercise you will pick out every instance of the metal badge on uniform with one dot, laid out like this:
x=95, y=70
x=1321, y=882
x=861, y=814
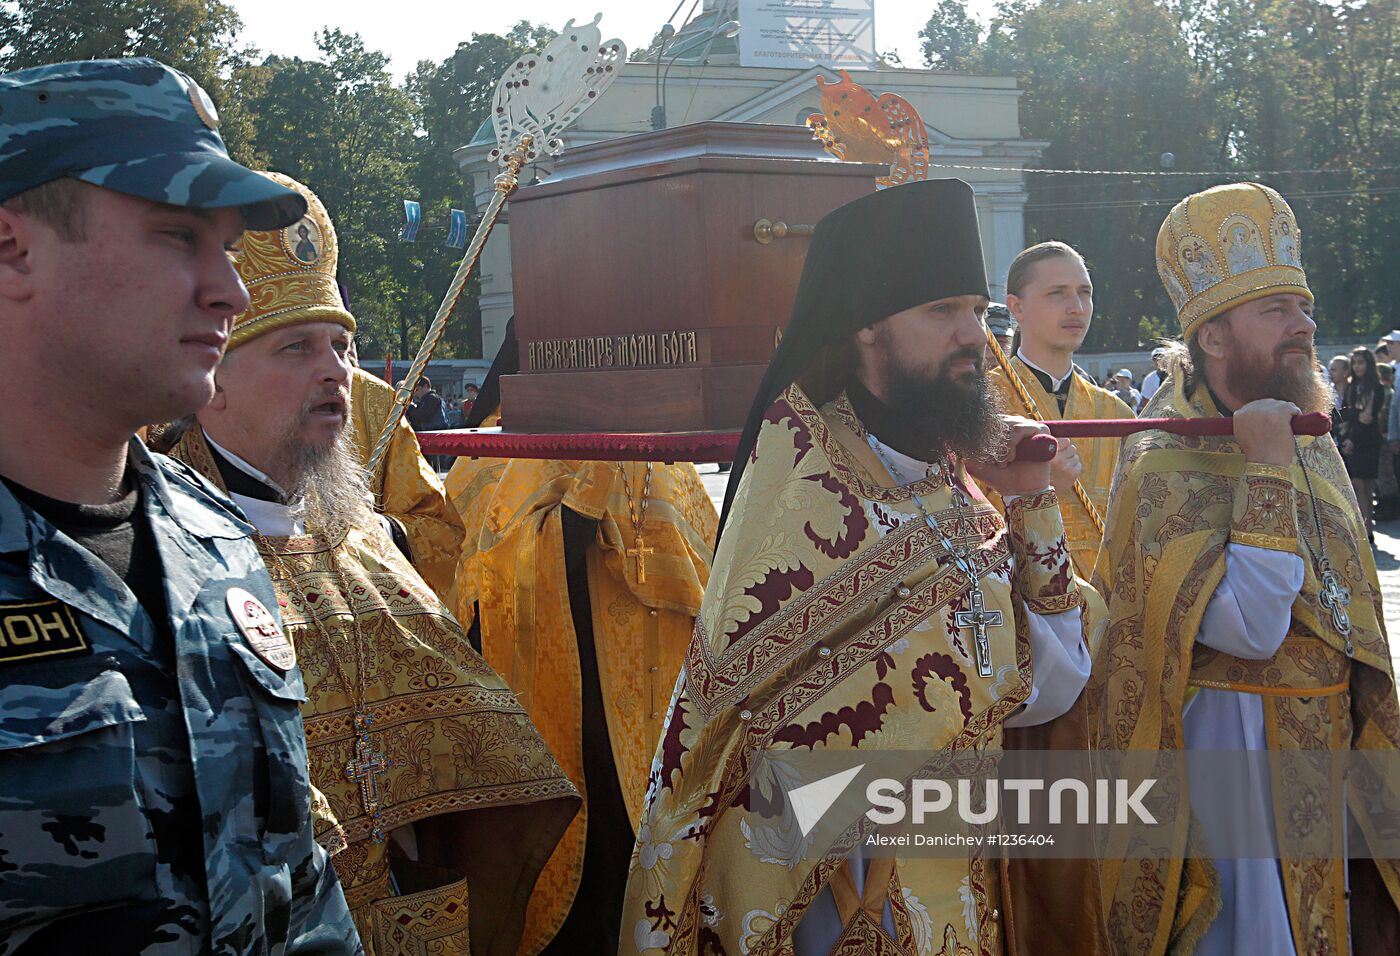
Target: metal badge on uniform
x=260, y=630
x=203, y=106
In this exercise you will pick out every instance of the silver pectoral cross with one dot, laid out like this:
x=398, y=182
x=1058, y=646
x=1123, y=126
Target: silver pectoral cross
x=365, y=768
x=979, y=619
x=1335, y=597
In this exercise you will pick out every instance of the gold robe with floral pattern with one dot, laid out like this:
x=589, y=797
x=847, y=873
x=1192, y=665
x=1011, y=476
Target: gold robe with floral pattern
x=453, y=735
x=512, y=569
x=828, y=625
x=1099, y=455
x=1177, y=502
x=406, y=489
x=470, y=485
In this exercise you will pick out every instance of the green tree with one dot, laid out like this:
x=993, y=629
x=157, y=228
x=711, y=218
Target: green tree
x=1231, y=88
x=198, y=37
x=951, y=37
x=1109, y=84
x=342, y=126
x=452, y=100
x=1309, y=85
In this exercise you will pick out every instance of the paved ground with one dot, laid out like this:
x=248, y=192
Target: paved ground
x=1388, y=567
x=715, y=481
x=1387, y=557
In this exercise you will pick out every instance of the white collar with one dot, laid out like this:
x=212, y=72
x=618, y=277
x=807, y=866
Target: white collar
x=271, y=518
x=246, y=468
x=1058, y=381
x=904, y=469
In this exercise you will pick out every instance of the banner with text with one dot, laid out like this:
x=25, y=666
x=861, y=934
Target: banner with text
x=802, y=33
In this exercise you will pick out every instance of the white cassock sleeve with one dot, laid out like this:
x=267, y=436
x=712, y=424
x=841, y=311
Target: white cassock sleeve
x=1247, y=616
x=1269, y=581
x=1059, y=666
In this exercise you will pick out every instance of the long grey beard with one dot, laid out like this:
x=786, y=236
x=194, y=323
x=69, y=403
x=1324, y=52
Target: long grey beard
x=332, y=488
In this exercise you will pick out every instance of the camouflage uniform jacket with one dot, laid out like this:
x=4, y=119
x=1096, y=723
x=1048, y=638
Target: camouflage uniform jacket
x=153, y=799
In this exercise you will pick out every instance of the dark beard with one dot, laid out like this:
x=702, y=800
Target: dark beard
x=1304, y=385
x=962, y=417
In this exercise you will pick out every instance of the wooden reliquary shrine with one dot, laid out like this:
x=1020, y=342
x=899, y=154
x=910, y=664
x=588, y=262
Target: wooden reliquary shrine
x=653, y=274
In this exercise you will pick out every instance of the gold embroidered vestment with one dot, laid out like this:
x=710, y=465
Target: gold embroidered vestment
x=455, y=737
x=512, y=571
x=1099, y=455
x=1178, y=501
x=828, y=624
x=405, y=488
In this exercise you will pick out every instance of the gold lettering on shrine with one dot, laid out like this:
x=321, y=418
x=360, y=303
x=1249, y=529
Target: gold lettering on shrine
x=634, y=350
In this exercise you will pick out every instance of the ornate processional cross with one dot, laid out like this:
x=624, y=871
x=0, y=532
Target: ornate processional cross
x=539, y=97
x=365, y=768
x=979, y=619
x=640, y=552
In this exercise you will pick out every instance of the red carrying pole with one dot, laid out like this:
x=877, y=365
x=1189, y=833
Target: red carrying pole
x=1313, y=423
x=722, y=446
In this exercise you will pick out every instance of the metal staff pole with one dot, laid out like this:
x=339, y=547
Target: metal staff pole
x=505, y=184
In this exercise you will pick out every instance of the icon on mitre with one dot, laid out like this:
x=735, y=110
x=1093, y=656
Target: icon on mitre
x=303, y=240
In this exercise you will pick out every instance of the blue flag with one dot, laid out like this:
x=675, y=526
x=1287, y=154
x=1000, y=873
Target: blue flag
x=413, y=213
x=457, y=235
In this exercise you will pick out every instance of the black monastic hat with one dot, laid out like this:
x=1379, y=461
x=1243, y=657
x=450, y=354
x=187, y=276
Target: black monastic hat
x=868, y=260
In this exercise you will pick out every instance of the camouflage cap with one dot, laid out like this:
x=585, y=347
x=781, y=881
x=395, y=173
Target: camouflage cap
x=134, y=126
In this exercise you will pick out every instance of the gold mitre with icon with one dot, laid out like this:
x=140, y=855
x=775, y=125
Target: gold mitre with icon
x=290, y=273
x=1226, y=246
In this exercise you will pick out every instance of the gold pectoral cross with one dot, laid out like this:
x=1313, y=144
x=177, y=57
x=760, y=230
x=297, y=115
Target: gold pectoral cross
x=365, y=768
x=639, y=550
x=979, y=619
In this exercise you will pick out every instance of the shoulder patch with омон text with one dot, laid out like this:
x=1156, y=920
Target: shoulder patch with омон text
x=30, y=630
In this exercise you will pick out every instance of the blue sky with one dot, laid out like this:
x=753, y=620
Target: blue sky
x=410, y=30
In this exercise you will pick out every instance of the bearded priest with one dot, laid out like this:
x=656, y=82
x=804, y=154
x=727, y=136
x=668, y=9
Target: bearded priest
x=441, y=802
x=1245, y=619
x=865, y=597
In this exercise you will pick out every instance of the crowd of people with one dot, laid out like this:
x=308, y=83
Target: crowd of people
x=428, y=411
x=260, y=698
x=1364, y=426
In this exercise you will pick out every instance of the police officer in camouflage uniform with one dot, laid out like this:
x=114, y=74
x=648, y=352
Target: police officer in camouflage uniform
x=153, y=783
